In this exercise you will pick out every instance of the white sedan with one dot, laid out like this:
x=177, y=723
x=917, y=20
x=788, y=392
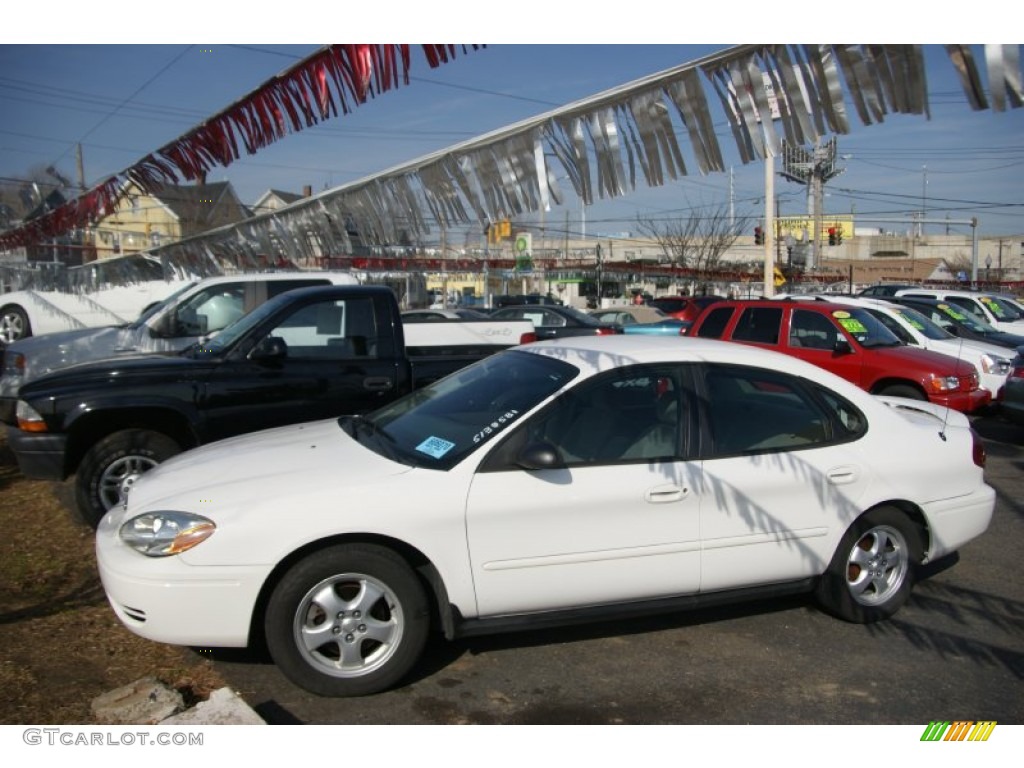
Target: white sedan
x=588, y=477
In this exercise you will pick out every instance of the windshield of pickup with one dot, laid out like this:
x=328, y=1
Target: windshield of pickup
x=216, y=345
x=439, y=425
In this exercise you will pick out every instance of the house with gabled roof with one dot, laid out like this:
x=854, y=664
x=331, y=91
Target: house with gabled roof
x=143, y=220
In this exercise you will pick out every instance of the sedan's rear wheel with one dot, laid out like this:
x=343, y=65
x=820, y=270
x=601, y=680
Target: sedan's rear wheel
x=347, y=621
x=872, y=571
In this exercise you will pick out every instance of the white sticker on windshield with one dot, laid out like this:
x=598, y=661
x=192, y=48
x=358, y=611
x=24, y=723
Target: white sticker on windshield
x=435, y=447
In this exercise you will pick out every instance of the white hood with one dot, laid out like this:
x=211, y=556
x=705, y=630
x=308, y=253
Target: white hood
x=258, y=465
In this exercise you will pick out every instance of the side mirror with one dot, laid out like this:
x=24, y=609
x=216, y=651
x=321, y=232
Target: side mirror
x=270, y=349
x=843, y=347
x=540, y=456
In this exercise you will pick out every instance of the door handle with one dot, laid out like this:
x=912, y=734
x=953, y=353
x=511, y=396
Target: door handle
x=378, y=383
x=665, y=494
x=842, y=475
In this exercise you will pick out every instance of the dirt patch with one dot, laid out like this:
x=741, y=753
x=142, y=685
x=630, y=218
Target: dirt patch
x=61, y=644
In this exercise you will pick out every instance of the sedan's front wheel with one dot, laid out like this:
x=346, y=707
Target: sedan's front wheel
x=872, y=571
x=349, y=620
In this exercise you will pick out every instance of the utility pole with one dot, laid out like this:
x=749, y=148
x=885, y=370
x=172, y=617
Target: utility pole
x=813, y=168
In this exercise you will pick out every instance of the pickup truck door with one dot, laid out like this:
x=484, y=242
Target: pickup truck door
x=323, y=359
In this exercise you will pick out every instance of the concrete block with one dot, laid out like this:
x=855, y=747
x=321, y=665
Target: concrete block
x=224, y=707
x=144, y=702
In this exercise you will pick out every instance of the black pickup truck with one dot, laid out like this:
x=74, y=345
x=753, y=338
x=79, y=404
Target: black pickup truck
x=307, y=354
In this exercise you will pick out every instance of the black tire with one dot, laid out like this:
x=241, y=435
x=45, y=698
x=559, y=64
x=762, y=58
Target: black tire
x=14, y=324
x=903, y=390
x=330, y=594
x=119, y=457
x=872, y=571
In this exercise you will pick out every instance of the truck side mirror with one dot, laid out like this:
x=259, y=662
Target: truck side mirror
x=270, y=349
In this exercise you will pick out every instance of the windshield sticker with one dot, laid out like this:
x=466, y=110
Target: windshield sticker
x=955, y=314
x=839, y=315
x=852, y=325
x=496, y=426
x=913, y=322
x=435, y=447
x=993, y=306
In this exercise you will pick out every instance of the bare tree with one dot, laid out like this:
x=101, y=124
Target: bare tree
x=697, y=241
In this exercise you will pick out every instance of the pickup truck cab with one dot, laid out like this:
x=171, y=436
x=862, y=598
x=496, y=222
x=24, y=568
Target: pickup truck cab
x=849, y=342
x=196, y=309
x=307, y=354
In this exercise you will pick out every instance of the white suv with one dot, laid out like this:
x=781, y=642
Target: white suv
x=195, y=310
x=911, y=327
x=989, y=308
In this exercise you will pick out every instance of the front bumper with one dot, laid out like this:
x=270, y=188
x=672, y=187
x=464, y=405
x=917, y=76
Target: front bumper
x=166, y=600
x=40, y=455
x=965, y=402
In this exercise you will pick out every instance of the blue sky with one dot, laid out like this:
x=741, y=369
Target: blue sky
x=123, y=101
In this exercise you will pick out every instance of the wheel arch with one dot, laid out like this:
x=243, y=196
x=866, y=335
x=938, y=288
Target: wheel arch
x=883, y=384
x=443, y=615
x=917, y=519
x=91, y=427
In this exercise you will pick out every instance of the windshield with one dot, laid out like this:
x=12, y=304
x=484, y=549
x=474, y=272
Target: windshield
x=1003, y=309
x=968, y=320
x=439, y=425
x=216, y=345
x=924, y=326
x=865, y=328
x=154, y=308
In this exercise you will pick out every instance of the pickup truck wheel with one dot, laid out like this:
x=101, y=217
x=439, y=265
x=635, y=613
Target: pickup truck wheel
x=113, y=464
x=350, y=620
x=14, y=324
x=872, y=571
x=903, y=390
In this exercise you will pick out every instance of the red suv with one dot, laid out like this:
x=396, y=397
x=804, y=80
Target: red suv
x=683, y=307
x=849, y=342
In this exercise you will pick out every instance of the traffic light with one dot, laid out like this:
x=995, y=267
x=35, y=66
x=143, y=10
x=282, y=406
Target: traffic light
x=758, y=236
x=832, y=237
x=839, y=235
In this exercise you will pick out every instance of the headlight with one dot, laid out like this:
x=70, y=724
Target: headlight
x=993, y=364
x=945, y=383
x=14, y=364
x=161, y=534
x=28, y=418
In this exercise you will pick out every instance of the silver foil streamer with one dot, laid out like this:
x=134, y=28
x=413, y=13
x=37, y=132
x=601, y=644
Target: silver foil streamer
x=604, y=147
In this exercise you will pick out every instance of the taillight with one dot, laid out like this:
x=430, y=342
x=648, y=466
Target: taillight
x=1017, y=372
x=527, y=338
x=978, y=450
x=608, y=331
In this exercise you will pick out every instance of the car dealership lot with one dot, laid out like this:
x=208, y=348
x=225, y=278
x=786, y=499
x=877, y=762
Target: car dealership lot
x=955, y=651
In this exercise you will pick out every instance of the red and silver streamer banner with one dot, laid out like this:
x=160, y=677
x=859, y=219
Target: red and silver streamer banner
x=641, y=133
x=334, y=80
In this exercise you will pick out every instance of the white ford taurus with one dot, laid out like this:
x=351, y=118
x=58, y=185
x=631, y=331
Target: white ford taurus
x=585, y=478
